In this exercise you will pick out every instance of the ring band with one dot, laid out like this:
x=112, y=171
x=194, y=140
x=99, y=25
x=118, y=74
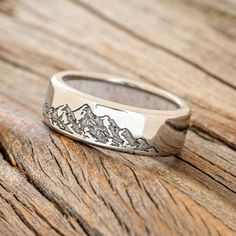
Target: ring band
x=116, y=113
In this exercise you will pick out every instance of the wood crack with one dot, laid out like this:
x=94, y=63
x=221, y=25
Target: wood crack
x=196, y=128
x=209, y=175
x=229, y=227
x=18, y=65
x=47, y=221
x=21, y=217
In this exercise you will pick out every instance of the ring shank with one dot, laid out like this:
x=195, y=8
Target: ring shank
x=116, y=113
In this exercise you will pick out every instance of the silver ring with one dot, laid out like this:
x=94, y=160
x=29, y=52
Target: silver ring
x=116, y=113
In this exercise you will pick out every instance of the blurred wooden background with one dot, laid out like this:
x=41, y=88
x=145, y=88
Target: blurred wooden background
x=51, y=185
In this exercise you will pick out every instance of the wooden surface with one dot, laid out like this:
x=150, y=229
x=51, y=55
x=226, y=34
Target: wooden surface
x=51, y=185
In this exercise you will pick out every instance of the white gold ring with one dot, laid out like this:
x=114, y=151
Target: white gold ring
x=116, y=113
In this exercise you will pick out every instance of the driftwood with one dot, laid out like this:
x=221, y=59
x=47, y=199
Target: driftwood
x=52, y=185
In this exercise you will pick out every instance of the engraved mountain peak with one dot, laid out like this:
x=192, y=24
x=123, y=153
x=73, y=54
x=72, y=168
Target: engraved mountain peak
x=83, y=111
x=100, y=129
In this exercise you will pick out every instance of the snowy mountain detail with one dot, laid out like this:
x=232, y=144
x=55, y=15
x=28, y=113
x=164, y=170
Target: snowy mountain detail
x=98, y=129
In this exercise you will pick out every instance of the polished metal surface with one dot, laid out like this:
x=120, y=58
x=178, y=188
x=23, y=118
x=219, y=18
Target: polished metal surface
x=116, y=113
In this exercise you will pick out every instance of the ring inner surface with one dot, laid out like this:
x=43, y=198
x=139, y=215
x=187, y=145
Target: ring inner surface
x=120, y=93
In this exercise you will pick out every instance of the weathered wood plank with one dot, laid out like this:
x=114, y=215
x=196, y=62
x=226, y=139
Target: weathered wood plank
x=104, y=192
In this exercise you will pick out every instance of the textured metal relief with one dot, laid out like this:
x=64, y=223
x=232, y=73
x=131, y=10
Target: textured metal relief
x=99, y=129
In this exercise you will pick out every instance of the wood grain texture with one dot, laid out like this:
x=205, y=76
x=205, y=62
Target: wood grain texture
x=52, y=185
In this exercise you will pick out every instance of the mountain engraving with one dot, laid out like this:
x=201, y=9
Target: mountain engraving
x=98, y=129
